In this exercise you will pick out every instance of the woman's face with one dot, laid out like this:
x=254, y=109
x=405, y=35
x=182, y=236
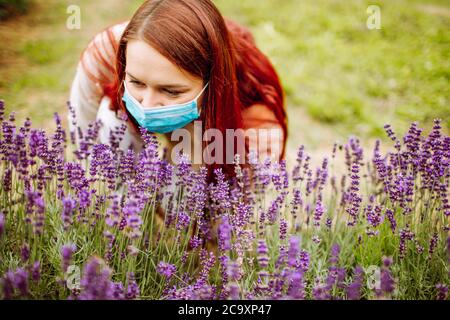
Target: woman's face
x=155, y=81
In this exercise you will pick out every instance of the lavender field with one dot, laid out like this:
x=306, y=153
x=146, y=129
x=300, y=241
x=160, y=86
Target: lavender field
x=80, y=220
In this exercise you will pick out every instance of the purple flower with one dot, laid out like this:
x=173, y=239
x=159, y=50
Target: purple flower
x=2, y=224
x=335, y=250
x=387, y=283
x=2, y=110
x=35, y=271
x=387, y=262
x=21, y=281
x=38, y=143
x=219, y=192
x=67, y=252
x=234, y=271
x=183, y=220
x=25, y=252
x=113, y=216
x=7, y=182
x=104, y=164
x=166, y=269
x=195, y=242
x=355, y=198
x=69, y=206
x=118, y=291
x=389, y=132
x=132, y=288
x=133, y=219
x=374, y=216
x=448, y=249
x=318, y=212
x=127, y=165
x=76, y=176
x=35, y=209
x=96, y=283
x=294, y=249
x=207, y=264
x=262, y=252
x=84, y=199
x=405, y=235
x=283, y=229
x=354, y=289
x=433, y=242
x=390, y=215
x=296, y=285
x=225, y=234
x=8, y=285
x=442, y=291
x=296, y=203
x=304, y=261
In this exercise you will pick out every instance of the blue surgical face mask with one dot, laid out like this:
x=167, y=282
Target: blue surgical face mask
x=162, y=119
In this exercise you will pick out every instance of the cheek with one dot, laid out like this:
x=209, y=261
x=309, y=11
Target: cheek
x=136, y=93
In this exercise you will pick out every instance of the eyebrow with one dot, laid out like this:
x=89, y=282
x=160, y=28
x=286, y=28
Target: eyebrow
x=172, y=86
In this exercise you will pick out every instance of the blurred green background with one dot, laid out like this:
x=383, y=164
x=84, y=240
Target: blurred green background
x=340, y=77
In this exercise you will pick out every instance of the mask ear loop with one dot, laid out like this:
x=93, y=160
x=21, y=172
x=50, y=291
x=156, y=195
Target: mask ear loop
x=204, y=88
x=198, y=96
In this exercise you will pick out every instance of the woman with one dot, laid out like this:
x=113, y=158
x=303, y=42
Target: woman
x=183, y=55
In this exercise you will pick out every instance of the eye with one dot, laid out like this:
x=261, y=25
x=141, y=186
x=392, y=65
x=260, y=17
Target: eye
x=172, y=93
x=137, y=83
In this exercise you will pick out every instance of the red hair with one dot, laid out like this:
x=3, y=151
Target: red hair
x=194, y=36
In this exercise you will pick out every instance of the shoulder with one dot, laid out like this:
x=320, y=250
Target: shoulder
x=118, y=29
x=110, y=36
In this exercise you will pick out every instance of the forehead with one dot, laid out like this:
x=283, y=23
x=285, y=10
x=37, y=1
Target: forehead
x=146, y=64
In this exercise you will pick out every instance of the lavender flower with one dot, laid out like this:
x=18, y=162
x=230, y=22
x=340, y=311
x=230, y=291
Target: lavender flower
x=442, y=291
x=8, y=285
x=262, y=252
x=69, y=206
x=354, y=289
x=35, y=210
x=21, y=281
x=433, y=243
x=390, y=215
x=133, y=219
x=318, y=212
x=220, y=192
x=35, y=271
x=166, y=269
x=405, y=235
x=283, y=229
x=2, y=224
x=294, y=249
x=132, y=288
x=387, y=283
x=25, y=252
x=67, y=252
x=225, y=234
x=96, y=283
x=296, y=285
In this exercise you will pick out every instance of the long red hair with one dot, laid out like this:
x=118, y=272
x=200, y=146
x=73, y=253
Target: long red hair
x=194, y=36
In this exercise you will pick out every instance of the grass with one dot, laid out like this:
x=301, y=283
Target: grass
x=340, y=77
x=343, y=73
